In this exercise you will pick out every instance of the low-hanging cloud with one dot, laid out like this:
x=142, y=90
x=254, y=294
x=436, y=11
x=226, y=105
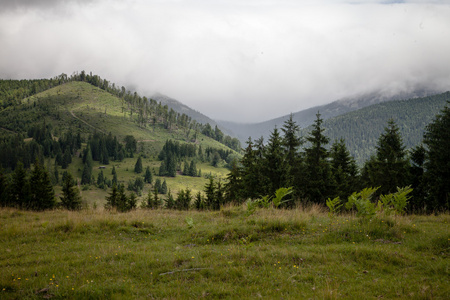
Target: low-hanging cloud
x=234, y=60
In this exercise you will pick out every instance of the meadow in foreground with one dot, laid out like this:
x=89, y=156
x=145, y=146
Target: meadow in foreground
x=273, y=253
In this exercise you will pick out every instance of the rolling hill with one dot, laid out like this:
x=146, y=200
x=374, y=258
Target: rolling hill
x=77, y=107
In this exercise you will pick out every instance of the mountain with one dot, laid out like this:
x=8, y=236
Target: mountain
x=306, y=117
x=362, y=128
x=184, y=109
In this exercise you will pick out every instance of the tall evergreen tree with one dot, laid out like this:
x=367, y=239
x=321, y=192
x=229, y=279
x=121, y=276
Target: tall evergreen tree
x=42, y=193
x=148, y=177
x=71, y=198
x=344, y=170
x=418, y=183
x=291, y=145
x=19, y=190
x=274, y=164
x=138, y=166
x=437, y=140
x=86, y=176
x=210, y=191
x=158, y=185
x=113, y=197
x=164, y=187
x=318, y=182
x=390, y=167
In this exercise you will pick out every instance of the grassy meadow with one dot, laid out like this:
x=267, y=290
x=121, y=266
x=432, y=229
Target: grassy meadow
x=291, y=254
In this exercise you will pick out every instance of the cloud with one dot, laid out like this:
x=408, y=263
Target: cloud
x=233, y=60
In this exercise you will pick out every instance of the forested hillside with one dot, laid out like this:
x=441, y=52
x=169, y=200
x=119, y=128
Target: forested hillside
x=306, y=117
x=83, y=130
x=361, y=128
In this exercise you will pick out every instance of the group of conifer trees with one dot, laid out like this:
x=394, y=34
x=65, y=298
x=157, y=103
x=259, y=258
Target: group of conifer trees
x=34, y=190
x=317, y=173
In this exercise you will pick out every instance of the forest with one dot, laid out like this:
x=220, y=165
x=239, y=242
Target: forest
x=309, y=166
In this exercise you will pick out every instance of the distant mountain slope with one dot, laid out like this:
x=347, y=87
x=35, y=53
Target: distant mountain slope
x=362, y=128
x=306, y=117
x=184, y=109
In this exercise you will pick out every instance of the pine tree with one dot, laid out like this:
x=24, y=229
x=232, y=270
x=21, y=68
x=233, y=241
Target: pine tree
x=123, y=203
x=71, y=198
x=437, y=140
x=155, y=196
x=170, y=201
x=318, y=181
x=101, y=180
x=86, y=176
x=158, y=185
x=233, y=187
x=148, y=178
x=390, y=167
x=19, y=190
x=274, y=164
x=113, y=198
x=164, y=187
x=138, y=166
x=210, y=191
x=344, y=170
x=417, y=202
x=198, y=202
x=114, y=173
x=291, y=145
x=193, y=169
x=42, y=193
x=186, y=169
x=250, y=173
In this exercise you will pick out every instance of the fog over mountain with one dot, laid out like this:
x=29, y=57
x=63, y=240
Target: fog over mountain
x=242, y=61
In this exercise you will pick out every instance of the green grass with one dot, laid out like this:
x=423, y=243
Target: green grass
x=291, y=254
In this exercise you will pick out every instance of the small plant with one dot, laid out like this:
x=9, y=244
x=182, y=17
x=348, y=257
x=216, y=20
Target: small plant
x=190, y=222
x=362, y=201
x=396, y=202
x=334, y=206
x=280, y=194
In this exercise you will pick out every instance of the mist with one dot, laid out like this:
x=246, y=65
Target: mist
x=244, y=61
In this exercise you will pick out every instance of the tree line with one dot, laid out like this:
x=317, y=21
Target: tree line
x=317, y=174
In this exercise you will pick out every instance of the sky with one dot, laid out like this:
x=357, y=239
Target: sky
x=234, y=60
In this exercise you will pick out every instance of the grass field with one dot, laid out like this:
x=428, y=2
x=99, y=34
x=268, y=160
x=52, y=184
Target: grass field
x=289, y=254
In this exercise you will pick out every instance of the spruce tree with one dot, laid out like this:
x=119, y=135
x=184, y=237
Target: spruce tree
x=417, y=202
x=198, y=202
x=170, y=201
x=193, y=169
x=437, y=140
x=42, y=193
x=318, y=181
x=291, y=145
x=86, y=176
x=344, y=170
x=158, y=185
x=274, y=164
x=114, y=173
x=390, y=166
x=71, y=198
x=19, y=190
x=138, y=166
x=210, y=191
x=164, y=187
x=113, y=198
x=148, y=178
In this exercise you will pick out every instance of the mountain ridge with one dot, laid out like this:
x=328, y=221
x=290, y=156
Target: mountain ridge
x=306, y=117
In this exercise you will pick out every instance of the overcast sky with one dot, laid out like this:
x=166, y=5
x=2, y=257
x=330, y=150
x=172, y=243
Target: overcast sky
x=239, y=60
